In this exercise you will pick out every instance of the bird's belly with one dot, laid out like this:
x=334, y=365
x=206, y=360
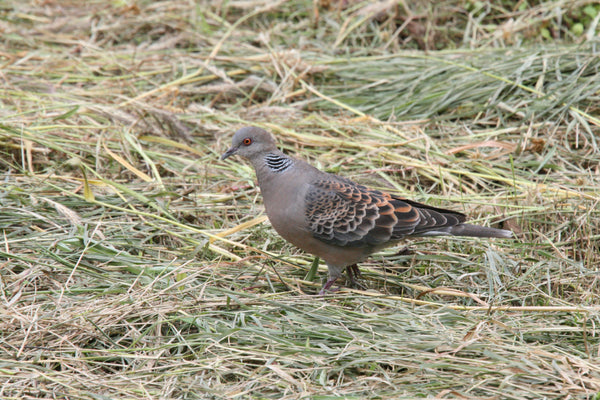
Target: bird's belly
x=333, y=255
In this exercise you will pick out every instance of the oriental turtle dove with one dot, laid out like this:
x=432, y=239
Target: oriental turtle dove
x=334, y=218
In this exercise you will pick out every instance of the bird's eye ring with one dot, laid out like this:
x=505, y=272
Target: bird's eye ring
x=247, y=141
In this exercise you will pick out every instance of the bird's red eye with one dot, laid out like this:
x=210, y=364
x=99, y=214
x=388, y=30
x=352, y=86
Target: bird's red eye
x=247, y=141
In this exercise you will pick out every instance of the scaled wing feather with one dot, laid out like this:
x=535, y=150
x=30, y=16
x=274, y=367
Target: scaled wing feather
x=342, y=213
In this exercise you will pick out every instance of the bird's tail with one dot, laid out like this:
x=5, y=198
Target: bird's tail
x=478, y=231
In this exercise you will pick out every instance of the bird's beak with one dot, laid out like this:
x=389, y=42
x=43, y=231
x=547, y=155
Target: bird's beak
x=229, y=152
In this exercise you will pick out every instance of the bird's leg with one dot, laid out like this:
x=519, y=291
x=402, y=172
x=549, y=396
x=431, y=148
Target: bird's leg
x=353, y=273
x=327, y=285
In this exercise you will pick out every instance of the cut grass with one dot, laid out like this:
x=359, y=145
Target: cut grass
x=134, y=264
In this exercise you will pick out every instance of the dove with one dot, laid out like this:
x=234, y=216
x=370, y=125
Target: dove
x=332, y=217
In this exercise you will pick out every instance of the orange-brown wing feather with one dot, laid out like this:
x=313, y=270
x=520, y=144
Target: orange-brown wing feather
x=343, y=213
x=432, y=220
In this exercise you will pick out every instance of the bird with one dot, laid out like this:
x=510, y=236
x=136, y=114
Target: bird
x=334, y=218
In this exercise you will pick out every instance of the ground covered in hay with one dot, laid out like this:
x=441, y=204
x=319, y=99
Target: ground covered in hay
x=135, y=264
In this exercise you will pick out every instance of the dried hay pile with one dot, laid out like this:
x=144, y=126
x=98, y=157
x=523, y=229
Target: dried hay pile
x=136, y=265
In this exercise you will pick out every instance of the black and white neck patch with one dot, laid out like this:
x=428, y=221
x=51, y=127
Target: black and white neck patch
x=278, y=162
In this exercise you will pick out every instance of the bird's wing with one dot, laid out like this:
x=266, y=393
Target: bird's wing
x=432, y=221
x=343, y=213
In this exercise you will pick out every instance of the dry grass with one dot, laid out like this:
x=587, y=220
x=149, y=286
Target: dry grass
x=134, y=264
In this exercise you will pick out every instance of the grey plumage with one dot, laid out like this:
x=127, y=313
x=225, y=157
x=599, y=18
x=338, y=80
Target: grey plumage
x=334, y=218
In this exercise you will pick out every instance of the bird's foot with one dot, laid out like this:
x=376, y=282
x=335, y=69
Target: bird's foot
x=404, y=252
x=354, y=274
x=327, y=287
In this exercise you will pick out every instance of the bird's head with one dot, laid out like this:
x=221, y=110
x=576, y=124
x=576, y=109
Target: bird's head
x=251, y=142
